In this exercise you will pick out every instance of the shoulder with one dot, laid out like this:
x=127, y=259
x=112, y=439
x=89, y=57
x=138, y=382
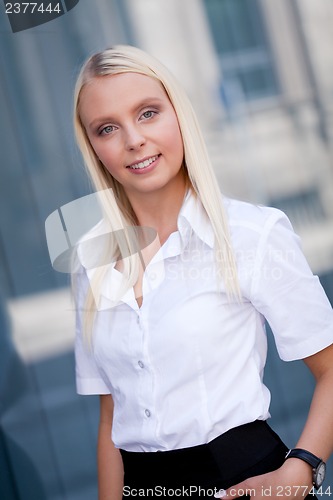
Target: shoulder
x=255, y=228
x=251, y=217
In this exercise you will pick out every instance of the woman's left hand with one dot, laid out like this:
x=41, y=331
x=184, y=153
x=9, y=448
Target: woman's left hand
x=293, y=480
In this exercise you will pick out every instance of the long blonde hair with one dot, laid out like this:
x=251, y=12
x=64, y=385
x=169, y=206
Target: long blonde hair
x=198, y=169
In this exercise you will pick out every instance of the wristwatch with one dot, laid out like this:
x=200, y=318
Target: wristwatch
x=318, y=466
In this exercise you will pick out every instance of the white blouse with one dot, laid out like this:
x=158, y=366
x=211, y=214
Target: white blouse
x=188, y=364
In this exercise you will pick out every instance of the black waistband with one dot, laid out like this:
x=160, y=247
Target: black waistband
x=242, y=437
x=238, y=448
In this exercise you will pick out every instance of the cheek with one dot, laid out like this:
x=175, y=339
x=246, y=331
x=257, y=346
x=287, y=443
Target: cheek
x=107, y=154
x=178, y=147
x=174, y=138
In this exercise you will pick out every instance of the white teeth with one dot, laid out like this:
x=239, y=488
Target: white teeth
x=145, y=163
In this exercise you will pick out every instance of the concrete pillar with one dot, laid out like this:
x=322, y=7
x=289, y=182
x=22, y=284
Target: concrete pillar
x=287, y=50
x=317, y=22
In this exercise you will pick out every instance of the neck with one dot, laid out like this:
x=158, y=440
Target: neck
x=159, y=210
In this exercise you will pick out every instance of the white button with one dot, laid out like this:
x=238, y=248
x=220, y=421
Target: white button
x=152, y=276
x=141, y=364
x=138, y=320
x=147, y=412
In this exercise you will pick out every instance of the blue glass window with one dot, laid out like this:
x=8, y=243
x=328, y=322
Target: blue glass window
x=239, y=35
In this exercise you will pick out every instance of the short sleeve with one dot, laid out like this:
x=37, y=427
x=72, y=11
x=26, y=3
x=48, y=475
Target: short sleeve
x=88, y=377
x=287, y=293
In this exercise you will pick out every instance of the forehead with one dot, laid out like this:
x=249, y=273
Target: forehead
x=120, y=90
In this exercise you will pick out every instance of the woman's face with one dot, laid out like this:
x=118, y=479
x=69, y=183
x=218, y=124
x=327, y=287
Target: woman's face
x=134, y=131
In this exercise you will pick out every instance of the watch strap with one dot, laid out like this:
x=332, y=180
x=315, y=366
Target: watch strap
x=305, y=455
x=317, y=464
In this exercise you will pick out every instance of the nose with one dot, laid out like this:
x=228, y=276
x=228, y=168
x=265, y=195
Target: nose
x=134, y=139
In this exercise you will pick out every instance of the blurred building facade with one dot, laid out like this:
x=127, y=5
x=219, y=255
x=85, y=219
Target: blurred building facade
x=260, y=76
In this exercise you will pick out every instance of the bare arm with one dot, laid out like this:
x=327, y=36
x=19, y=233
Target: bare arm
x=109, y=461
x=317, y=436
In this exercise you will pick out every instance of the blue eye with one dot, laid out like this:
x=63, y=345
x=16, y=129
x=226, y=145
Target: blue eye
x=106, y=130
x=148, y=114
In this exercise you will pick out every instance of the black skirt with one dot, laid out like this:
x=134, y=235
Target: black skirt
x=200, y=471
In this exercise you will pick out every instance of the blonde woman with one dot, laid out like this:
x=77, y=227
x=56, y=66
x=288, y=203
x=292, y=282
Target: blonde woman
x=170, y=331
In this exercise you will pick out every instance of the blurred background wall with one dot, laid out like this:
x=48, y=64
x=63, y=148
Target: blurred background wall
x=260, y=75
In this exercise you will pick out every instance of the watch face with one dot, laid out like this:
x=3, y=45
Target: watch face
x=320, y=474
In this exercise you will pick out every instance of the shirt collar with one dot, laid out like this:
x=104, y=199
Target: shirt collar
x=193, y=217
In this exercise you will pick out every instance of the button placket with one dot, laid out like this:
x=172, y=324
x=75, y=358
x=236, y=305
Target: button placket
x=144, y=373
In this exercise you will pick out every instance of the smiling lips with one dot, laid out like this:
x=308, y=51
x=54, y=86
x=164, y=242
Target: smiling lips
x=143, y=164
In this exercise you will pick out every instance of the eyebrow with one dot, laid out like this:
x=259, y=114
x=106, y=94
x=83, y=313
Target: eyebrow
x=145, y=102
